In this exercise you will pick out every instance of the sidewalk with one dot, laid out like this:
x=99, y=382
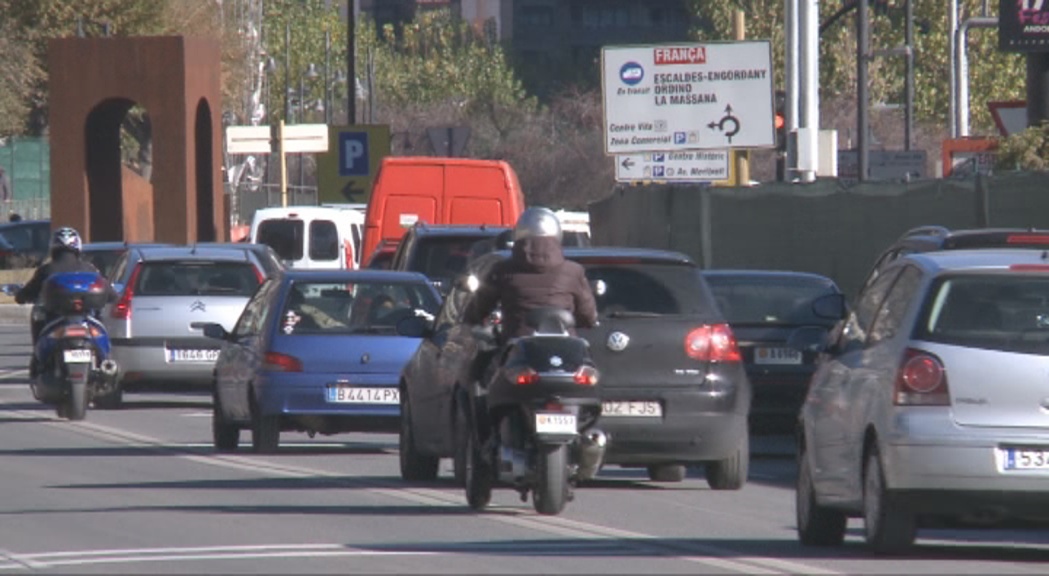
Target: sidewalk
x=14, y=314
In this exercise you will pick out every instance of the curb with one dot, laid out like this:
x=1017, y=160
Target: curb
x=14, y=314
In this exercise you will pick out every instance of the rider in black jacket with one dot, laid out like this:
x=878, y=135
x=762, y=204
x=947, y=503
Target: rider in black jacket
x=65, y=257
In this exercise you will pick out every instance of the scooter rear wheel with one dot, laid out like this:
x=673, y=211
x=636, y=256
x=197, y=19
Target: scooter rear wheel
x=478, y=474
x=551, y=491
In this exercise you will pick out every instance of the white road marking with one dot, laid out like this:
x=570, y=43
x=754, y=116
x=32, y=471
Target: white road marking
x=13, y=374
x=723, y=558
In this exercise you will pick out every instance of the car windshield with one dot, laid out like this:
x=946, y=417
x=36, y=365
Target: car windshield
x=284, y=236
x=754, y=299
x=444, y=256
x=194, y=278
x=998, y=312
x=361, y=308
x=104, y=260
x=627, y=287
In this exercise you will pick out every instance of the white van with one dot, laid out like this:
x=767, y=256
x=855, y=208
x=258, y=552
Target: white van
x=312, y=237
x=575, y=227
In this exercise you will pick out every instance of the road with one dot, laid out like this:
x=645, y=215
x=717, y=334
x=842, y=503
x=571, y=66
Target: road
x=140, y=490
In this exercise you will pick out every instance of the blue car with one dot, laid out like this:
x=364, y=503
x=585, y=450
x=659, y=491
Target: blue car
x=317, y=351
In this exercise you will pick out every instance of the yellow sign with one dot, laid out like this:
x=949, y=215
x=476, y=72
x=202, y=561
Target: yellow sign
x=346, y=172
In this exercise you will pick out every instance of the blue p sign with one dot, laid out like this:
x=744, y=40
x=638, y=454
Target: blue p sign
x=353, y=154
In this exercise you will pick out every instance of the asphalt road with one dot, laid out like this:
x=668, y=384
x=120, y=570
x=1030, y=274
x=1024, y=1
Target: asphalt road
x=140, y=490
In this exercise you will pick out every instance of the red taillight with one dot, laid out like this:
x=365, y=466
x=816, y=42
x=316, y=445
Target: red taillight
x=921, y=381
x=72, y=331
x=526, y=376
x=122, y=309
x=1027, y=239
x=585, y=376
x=554, y=406
x=259, y=275
x=1029, y=267
x=712, y=343
x=277, y=362
x=347, y=247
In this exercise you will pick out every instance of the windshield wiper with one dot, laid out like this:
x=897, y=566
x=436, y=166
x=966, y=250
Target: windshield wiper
x=632, y=314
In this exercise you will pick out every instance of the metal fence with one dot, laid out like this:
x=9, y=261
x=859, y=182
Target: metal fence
x=245, y=199
x=28, y=209
x=27, y=162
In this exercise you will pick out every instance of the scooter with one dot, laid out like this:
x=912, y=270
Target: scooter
x=72, y=352
x=531, y=427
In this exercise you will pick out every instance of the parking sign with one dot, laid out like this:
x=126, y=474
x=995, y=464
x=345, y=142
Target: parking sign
x=346, y=172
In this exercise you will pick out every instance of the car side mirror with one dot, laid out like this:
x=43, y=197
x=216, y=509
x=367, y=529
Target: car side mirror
x=830, y=306
x=211, y=330
x=809, y=339
x=414, y=327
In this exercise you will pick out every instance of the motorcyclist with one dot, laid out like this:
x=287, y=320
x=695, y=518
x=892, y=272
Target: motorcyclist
x=65, y=257
x=537, y=275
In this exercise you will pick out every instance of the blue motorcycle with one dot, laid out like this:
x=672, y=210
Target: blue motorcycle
x=72, y=352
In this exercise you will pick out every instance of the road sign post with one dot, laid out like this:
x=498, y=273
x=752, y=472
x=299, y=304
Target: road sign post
x=674, y=97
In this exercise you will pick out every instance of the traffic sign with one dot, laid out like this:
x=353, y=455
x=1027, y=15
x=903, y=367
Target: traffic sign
x=248, y=140
x=683, y=166
x=346, y=173
x=298, y=138
x=1010, y=116
x=665, y=97
x=883, y=165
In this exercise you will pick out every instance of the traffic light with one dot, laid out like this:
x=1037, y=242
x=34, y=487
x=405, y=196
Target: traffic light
x=781, y=135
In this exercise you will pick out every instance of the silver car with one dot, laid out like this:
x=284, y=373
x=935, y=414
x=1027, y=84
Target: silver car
x=163, y=291
x=930, y=406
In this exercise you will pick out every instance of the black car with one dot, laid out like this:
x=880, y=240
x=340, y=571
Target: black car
x=674, y=389
x=440, y=253
x=764, y=307
x=935, y=238
x=24, y=244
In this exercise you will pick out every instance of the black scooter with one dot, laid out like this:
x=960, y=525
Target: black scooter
x=531, y=427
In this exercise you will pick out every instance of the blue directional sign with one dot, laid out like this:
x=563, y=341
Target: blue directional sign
x=347, y=171
x=353, y=154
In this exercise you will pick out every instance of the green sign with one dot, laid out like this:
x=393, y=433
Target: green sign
x=346, y=172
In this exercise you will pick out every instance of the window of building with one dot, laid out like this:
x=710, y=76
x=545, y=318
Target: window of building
x=536, y=16
x=599, y=16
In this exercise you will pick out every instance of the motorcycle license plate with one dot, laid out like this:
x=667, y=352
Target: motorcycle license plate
x=555, y=423
x=77, y=356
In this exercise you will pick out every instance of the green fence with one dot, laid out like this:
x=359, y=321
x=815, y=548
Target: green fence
x=28, y=165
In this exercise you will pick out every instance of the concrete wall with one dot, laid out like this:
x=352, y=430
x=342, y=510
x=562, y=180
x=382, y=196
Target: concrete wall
x=822, y=227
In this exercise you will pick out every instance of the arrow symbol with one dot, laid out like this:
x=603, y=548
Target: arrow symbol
x=353, y=194
x=627, y=163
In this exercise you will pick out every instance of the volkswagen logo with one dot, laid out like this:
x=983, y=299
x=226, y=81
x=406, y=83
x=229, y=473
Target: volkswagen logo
x=196, y=306
x=617, y=341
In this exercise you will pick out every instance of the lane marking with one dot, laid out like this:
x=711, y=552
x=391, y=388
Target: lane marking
x=715, y=556
x=13, y=374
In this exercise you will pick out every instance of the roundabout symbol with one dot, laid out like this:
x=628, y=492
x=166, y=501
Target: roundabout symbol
x=728, y=118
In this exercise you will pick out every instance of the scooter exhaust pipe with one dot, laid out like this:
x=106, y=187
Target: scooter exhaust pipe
x=591, y=453
x=109, y=367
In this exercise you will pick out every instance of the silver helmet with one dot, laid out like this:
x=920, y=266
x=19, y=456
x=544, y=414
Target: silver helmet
x=537, y=223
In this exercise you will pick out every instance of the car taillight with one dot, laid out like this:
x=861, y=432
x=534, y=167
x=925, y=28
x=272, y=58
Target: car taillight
x=259, y=275
x=526, y=377
x=72, y=331
x=348, y=249
x=1029, y=268
x=1027, y=239
x=921, y=381
x=586, y=376
x=122, y=309
x=712, y=343
x=277, y=362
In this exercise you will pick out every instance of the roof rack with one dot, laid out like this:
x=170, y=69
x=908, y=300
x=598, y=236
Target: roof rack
x=926, y=231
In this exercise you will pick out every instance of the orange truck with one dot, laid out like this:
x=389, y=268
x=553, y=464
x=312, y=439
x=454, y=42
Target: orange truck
x=436, y=190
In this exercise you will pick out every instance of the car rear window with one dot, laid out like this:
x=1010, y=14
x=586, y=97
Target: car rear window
x=1007, y=312
x=362, y=308
x=647, y=288
x=284, y=235
x=196, y=278
x=105, y=260
x=324, y=241
x=443, y=256
x=750, y=299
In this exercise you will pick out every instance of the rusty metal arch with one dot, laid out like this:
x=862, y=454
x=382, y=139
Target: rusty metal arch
x=93, y=82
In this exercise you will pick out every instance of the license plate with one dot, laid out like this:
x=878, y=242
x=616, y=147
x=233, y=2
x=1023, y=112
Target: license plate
x=78, y=356
x=1026, y=459
x=644, y=409
x=193, y=355
x=777, y=356
x=555, y=423
x=361, y=395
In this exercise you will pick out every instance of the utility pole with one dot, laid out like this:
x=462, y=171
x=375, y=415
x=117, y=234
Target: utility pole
x=351, y=62
x=862, y=119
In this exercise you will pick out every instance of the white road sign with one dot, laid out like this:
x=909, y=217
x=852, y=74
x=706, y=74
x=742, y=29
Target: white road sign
x=683, y=166
x=248, y=139
x=688, y=97
x=305, y=138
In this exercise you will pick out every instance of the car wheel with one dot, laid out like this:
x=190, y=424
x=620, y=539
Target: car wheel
x=666, y=472
x=415, y=466
x=112, y=401
x=888, y=528
x=478, y=475
x=265, y=431
x=224, y=434
x=817, y=525
x=731, y=473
